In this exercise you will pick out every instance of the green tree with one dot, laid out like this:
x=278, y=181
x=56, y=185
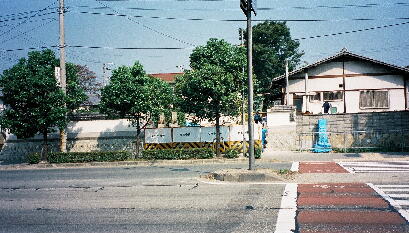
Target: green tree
x=34, y=102
x=133, y=95
x=214, y=85
x=272, y=45
x=217, y=52
x=75, y=91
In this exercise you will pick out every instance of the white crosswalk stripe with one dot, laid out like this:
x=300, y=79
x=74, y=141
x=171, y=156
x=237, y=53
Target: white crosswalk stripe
x=397, y=195
x=376, y=167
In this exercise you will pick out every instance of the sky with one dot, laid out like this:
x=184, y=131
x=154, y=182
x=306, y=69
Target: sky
x=163, y=33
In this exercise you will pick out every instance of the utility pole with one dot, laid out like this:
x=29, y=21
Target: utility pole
x=63, y=134
x=287, y=91
x=243, y=101
x=247, y=7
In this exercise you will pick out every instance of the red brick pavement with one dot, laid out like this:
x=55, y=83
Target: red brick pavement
x=320, y=167
x=345, y=207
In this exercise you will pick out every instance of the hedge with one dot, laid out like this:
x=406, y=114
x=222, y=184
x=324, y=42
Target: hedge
x=180, y=154
x=82, y=157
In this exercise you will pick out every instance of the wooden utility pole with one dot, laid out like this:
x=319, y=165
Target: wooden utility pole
x=287, y=91
x=247, y=7
x=63, y=134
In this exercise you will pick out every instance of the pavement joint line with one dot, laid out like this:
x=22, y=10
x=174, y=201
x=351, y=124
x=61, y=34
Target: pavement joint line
x=287, y=213
x=404, y=213
x=295, y=166
x=217, y=182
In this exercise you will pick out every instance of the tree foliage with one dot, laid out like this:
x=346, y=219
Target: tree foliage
x=220, y=53
x=213, y=87
x=133, y=95
x=272, y=45
x=208, y=92
x=34, y=102
x=76, y=94
x=87, y=80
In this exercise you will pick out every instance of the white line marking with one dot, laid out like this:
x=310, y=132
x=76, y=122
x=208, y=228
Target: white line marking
x=395, y=190
x=380, y=168
x=381, y=171
x=287, y=213
x=402, y=202
x=392, y=186
x=350, y=170
x=398, y=195
x=404, y=213
x=377, y=165
x=295, y=166
x=377, y=162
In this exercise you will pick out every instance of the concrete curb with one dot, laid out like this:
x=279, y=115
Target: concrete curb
x=127, y=163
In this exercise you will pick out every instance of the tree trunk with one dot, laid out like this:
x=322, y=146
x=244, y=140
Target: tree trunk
x=218, y=154
x=138, y=135
x=44, y=151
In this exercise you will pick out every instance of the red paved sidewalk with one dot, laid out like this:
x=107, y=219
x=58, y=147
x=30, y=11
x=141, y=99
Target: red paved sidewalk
x=320, y=167
x=345, y=207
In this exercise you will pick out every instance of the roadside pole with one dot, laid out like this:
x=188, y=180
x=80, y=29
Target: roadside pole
x=247, y=7
x=63, y=134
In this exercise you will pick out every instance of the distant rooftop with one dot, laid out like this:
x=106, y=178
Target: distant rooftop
x=167, y=77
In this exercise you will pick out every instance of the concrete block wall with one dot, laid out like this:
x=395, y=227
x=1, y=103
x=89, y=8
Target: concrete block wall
x=387, y=130
x=16, y=150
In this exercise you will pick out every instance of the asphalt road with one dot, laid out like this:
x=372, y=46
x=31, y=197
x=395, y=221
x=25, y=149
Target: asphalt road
x=135, y=199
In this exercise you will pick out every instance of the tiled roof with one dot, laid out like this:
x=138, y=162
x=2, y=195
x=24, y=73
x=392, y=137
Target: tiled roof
x=343, y=53
x=167, y=77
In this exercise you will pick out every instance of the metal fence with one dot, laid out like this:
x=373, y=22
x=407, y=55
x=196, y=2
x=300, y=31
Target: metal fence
x=391, y=140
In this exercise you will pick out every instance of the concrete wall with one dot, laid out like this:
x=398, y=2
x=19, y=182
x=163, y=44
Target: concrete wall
x=96, y=135
x=387, y=130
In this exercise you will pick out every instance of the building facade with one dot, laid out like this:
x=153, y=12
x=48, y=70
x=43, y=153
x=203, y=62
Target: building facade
x=351, y=83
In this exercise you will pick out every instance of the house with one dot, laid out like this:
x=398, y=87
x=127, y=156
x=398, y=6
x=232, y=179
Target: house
x=351, y=83
x=167, y=77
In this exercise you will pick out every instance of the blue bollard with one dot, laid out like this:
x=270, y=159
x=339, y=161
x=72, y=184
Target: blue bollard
x=322, y=145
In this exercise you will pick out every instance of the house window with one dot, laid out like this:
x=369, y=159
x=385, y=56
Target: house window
x=315, y=98
x=333, y=96
x=374, y=99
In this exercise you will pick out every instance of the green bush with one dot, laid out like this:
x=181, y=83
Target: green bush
x=180, y=154
x=231, y=154
x=82, y=157
x=33, y=158
x=257, y=153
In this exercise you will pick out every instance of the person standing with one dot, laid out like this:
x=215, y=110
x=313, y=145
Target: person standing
x=257, y=118
x=326, y=107
x=264, y=134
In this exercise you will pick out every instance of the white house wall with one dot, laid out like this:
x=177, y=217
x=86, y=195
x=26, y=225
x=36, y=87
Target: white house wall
x=329, y=77
x=374, y=82
x=396, y=102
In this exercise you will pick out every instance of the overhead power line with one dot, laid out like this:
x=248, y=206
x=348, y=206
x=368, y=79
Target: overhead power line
x=24, y=13
x=238, y=20
x=297, y=7
x=149, y=28
x=24, y=33
x=97, y=47
x=354, y=31
x=25, y=21
x=27, y=17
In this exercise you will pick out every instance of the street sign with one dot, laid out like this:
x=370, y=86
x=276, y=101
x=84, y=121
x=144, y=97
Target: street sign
x=57, y=75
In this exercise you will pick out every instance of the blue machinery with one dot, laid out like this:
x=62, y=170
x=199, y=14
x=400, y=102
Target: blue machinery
x=322, y=145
